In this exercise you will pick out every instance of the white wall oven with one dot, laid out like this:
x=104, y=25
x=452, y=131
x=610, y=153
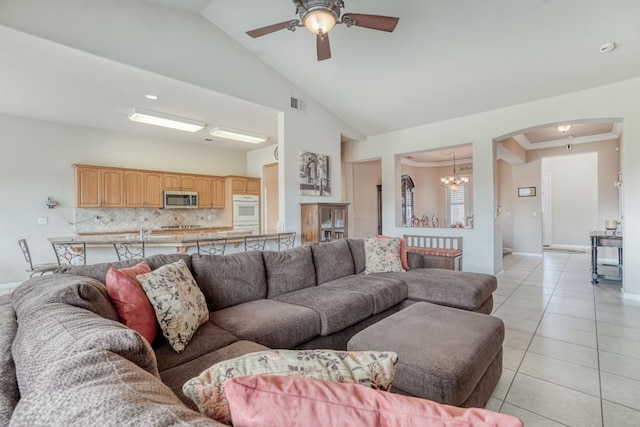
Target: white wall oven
x=246, y=212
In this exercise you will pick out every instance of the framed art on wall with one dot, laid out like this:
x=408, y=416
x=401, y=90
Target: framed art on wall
x=314, y=174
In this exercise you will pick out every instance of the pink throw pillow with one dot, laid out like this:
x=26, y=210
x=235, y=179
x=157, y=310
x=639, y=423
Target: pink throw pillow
x=403, y=249
x=130, y=301
x=291, y=401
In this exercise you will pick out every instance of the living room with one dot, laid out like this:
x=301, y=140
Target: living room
x=39, y=151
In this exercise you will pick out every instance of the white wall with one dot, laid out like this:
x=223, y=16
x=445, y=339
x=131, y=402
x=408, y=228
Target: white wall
x=506, y=202
x=36, y=162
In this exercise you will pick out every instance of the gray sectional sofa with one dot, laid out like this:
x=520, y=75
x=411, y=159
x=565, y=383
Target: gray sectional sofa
x=66, y=360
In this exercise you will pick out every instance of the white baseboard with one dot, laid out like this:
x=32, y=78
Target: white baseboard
x=630, y=296
x=572, y=247
x=9, y=286
x=527, y=254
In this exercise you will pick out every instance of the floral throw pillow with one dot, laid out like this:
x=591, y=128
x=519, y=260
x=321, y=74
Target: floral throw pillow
x=179, y=304
x=372, y=369
x=382, y=255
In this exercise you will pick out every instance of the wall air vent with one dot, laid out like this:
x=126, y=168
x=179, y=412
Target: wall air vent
x=298, y=104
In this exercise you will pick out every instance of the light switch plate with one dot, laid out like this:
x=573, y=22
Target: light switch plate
x=43, y=220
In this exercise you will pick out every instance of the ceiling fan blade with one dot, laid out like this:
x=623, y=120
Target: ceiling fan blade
x=259, y=32
x=375, y=22
x=322, y=44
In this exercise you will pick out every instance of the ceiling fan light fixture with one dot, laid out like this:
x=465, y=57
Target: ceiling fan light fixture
x=320, y=21
x=165, y=120
x=238, y=135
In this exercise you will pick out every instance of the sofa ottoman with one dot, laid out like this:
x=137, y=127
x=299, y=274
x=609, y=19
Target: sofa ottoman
x=445, y=354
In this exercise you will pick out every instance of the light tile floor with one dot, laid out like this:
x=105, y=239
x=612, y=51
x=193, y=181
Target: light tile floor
x=571, y=350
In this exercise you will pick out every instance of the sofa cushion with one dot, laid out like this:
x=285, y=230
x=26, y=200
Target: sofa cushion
x=333, y=260
x=98, y=387
x=291, y=401
x=178, y=302
x=338, y=308
x=208, y=338
x=368, y=368
x=385, y=291
x=356, y=246
x=130, y=301
x=403, y=248
x=382, y=255
x=175, y=377
x=289, y=270
x=9, y=394
x=447, y=287
x=227, y=280
x=270, y=323
x=99, y=271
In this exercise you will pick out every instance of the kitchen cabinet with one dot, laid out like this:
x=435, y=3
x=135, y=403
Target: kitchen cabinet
x=179, y=182
x=243, y=185
x=217, y=193
x=98, y=187
x=323, y=222
x=210, y=192
x=142, y=189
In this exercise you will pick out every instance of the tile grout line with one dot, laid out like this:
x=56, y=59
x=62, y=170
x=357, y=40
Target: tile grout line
x=595, y=314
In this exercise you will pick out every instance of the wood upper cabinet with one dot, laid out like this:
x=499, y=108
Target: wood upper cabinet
x=203, y=187
x=133, y=188
x=252, y=186
x=112, y=185
x=152, y=190
x=142, y=189
x=98, y=187
x=217, y=193
x=179, y=182
x=87, y=187
x=241, y=185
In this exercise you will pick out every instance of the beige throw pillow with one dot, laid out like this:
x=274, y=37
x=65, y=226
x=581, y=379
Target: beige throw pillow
x=382, y=255
x=368, y=368
x=179, y=304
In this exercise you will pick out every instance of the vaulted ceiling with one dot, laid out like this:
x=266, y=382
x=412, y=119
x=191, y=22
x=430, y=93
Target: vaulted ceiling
x=446, y=59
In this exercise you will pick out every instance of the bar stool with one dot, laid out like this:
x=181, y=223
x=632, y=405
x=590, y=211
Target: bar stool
x=214, y=246
x=70, y=253
x=129, y=250
x=286, y=240
x=37, y=268
x=255, y=243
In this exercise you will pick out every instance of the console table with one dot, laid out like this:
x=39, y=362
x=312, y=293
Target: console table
x=602, y=239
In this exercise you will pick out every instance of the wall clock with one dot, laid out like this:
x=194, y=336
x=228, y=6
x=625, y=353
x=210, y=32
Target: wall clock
x=275, y=152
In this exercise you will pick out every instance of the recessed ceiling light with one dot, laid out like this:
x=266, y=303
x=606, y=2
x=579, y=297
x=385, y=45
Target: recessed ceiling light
x=151, y=96
x=606, y=48
x=563, y=128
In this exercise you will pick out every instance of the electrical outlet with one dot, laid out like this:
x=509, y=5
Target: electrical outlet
x=142, y=219
x=96, y=219
x=210, y=217
x=43, y=220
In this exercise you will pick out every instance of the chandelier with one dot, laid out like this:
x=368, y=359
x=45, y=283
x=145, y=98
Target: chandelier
x=454, y=181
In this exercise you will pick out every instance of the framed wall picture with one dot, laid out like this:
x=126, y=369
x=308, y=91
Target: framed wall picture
x=314, y=174
x=526, y=191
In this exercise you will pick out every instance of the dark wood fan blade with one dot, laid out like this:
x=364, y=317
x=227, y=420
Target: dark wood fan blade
x=259, y=32
x=322, y=44
x=375, y=22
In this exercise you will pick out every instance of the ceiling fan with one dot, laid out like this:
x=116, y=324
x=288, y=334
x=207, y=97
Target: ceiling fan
x=320, y=16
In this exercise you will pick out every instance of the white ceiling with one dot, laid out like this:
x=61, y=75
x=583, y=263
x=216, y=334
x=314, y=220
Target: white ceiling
x=446, y=59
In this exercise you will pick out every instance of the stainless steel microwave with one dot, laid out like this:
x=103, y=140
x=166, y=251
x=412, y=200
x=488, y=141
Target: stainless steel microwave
x=180, y=200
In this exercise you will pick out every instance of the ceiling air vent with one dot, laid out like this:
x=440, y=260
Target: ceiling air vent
x=298, y=104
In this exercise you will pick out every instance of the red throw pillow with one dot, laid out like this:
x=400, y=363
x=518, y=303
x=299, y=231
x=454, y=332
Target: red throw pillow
x=130, y=301
x=292, y=401
x=403, y=249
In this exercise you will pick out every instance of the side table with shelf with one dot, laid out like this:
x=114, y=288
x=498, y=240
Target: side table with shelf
x=603, y=239
x=323, y=222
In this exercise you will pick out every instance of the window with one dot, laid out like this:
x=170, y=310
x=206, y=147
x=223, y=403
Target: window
x=407, y=200
x=459, y=206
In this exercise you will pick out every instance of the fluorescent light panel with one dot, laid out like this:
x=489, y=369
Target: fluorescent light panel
x=238, y=135
x=165, y=120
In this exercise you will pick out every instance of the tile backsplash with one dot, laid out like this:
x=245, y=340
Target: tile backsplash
x=124, y=219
